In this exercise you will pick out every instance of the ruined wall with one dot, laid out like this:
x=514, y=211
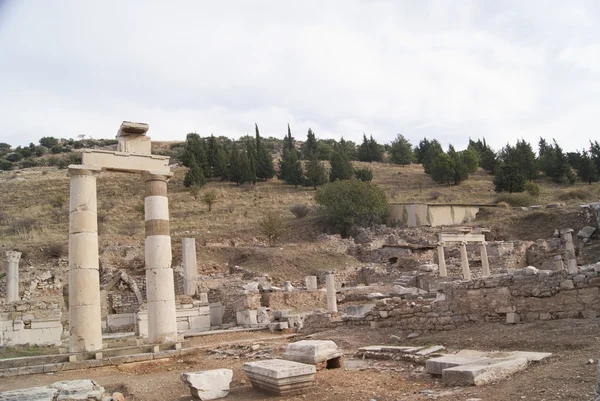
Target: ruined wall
x=532, y=294
x=420, y=214
x=300, y=301
x=31, y=322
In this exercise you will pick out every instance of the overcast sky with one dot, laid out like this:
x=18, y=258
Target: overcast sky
x=442, y=69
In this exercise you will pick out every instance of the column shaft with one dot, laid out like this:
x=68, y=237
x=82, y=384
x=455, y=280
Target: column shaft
x=190, y=267
x=442, y=261
x=85, y=331
x=465, y=261
x=331, y=297
x=12, y=276
x=485, y=264
x=160, y=288
x=570, y=253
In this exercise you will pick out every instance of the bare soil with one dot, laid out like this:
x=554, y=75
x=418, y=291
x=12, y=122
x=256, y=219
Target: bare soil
x=568, y=375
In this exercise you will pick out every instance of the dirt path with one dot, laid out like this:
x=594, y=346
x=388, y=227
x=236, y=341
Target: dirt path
x=566, y=376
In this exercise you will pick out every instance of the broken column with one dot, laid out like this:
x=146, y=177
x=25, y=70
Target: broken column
x=160, y=288
x=485, y=264
x=465, y=261
x=570, y=252
x=442, y=260
x=311, y=283
x=12, y=276
x=85, y=332
x=558, y=260
x=331, y=297
x=190, y=267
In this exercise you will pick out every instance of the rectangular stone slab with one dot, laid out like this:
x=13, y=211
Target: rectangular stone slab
x=436, y=366
x=278, y=368
x=484, y=372
x=312, y=351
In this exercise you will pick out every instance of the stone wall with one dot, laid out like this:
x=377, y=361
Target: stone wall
x=529, y=293
x=299, y=300
x=30, y=322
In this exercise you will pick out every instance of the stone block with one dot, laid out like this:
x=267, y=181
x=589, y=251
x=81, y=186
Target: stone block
x=247, y=318
x=280, y=377
x=216, y=314
x=311, y=283
x=430, y=350
x=30, y=394
x=436, y=366
x=586, y=232
x=72, y=390
x=512, y=318
x=312, y=351
x=208, y=384
x=278, y=326
x=200, y=323
x=281, y=314
x=483, y=372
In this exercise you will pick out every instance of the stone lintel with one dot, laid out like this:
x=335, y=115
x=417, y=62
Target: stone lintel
x=131, y=128
x=451, y=237
x=79, y=169
x=125, y=162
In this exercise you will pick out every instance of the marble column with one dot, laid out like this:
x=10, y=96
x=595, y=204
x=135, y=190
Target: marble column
x=331, y=297
x=485, y=263
x=190, y=267
x=12, y=276
x=85, y=331
x=442, y=260
x=160, y=288
x=465, y=261
x=570, y=252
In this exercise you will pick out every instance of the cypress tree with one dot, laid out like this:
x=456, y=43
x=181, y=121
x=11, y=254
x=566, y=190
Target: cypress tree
x=401, y=151
x=234, y=165
x=341, y=167
x=309, y=149
x=264, y=161
x=194, y=175
x=245, y=169
x=251, y=156
x=315, y=173
x=290, y=167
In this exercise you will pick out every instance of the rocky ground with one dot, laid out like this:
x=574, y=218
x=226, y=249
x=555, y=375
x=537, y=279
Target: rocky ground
x=569, y=375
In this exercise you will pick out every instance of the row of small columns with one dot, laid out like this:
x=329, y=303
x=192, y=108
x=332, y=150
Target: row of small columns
x=464, y=260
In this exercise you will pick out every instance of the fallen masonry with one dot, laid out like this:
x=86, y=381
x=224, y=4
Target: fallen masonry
x=208, y=384
x=60, y=391
x=280, y=377
x=322, y=353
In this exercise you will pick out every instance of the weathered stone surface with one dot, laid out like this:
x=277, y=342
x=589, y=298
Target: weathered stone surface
x=208, y=384
x=436, y=366
x=278, y=376
x=512, y=318
x=30, y=394
x=278, y=326
x=586, y=232
x=312, y=351
x=483, y=372
x=72, y=390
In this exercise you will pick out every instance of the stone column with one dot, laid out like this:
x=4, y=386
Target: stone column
x=190, y=267
x=331, y=297
x=160, y=288
x=442, y=260
x=465, y=261
x=85, y=331
x=570, y=252
x=12, y=276
x=311, y=283
x=485, y=263
x=558, y=260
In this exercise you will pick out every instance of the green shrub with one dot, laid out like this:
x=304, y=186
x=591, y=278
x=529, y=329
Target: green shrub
x=273, y=226
x=209, y=199
x=533, y=189
x=350, y=202
x=364, y=174
x=517, y=199
x=5, y=165
x=300, y=210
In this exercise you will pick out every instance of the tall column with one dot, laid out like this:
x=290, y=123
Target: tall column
x=85, y=331
x=485, y=263
x=12, y=276
x=442, y=260
x=465, y=261
x=570, y=252
x=331, y=297
x=160, y=288
x=190, y=267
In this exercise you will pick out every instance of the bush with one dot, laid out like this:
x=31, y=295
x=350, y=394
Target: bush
x=364, y=174
x=5, y=165
x=503, y=205
x=435, y=195
x=209, y=199
x=299, y=210
x=273, y=226
x=54, y=250
x=580, y=194
x=23, y=226
x=515, y=199
x=533, y=189
x=350, y=202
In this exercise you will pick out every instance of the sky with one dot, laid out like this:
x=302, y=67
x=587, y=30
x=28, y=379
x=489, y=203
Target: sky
x=444, y=69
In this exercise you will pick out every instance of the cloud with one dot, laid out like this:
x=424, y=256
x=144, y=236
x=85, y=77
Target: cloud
x=436, y=69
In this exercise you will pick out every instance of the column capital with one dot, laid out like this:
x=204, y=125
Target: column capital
x=156, y=176
x=79, y=170
x=13, y=256
x=484, y=243
x=463, y=243
x=441, y=244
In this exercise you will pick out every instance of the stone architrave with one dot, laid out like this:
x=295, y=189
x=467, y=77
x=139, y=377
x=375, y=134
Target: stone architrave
x=190, y=267
x=85, y=331
x=331, y=297
x=485, y=264
x=160, y=288
x=12, y=276
x=465, y=261
x=570, y=252
x=280, y=377
x=442, y=260
x=311, y=283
